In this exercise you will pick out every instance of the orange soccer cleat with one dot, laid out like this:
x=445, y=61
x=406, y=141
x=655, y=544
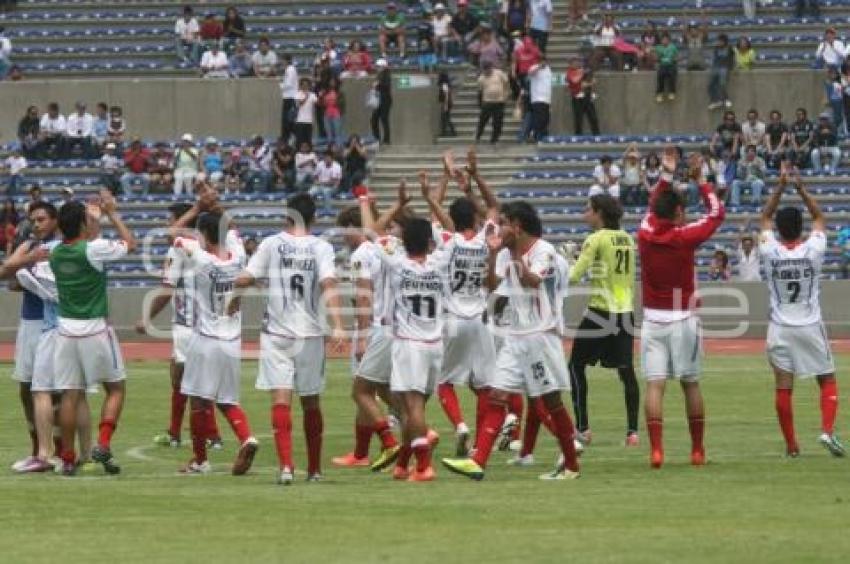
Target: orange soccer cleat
x=698, y=457
x=656, y=458
x=350, y=461
x=426, y=475
x=400, y=473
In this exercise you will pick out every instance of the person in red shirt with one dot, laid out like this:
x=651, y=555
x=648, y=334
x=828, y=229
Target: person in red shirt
x=525, y=56
x=211, y=29
x=356, y=63
x=137, y=159
x=580, y=84
x=671, y=339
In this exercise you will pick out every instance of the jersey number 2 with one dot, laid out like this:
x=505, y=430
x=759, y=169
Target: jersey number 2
x=793, y=291
x=623, y=256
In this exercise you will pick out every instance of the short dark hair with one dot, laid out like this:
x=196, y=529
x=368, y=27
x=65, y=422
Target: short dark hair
x=179, y=209
x=49, y=208
x=524, y=213
x=264, y=39
x=350, y=217
x=605, y=159
x=789, y=223
x=723, y=38
x=666, y=204
x=209, y=225
x=417, y=236
x=804, y=111
x=53, y=106
x=304, y=205
x=72, y=218
x=609, y=208
x=463, y=213
x=103, y=106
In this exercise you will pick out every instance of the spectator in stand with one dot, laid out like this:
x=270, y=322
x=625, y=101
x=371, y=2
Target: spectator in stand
x=9, y=220
x=493, y=92
x=211, y=31
x=52, y=129
x=355, y=162
x=283, y=165
x=233, y=28
x=328, y=177
x=464, y=25
x=540, y=22
x=214, y=63
x=825, y=145
x=745, y=55
x=259, y=166
x=723, y=57
x=801, y=139
x=845, y=87
x=525, y=56
x=749, y=7
x=241, y=62
x=333, y=103
x=426, y=44
x=79, y=132
x=831, y=51
x=250, y=245
x=289, y=94
x=752, y=132
x=188, y=37
x=330, y=54
x=801, y=5
x=726, y=141
x=751, y=173
x=117, y=126
x=668, y=68
x=391, y=30
x=305, y=167
x=632, y=180
x=607, y=177
x=749, y=261
x=441, y=24
x=647, y=53
x=651, y=176
x=187, y=165
x=486, y=49
x=234, y=170
x=306, y=116
x=834, y=94
x=28, y=133
x=445, y=97
x=100, y=127
x=776, y=144
x=161, y=168
x=5, y=54
x=264, y=60
x=15, y=166
x=110, y=169
x=383, y=85
x=604, y=36
x=540, y=92
x=514, y=17
x=843, y=244
x=578, y=14
x=693, y=39
x=322, y=75
x=581, y=85
x=213, y=161
x=720, y=271
x=137, y=159
x=356, y=62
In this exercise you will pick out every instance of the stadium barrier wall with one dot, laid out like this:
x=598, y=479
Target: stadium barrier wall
x=165, y=108
x=729, y=310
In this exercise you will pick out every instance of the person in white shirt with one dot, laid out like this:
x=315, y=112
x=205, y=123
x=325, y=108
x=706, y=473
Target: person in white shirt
x=302, y=290
x=607, y=176
x=441, y=24
x=188, y=36
x=79, y=132
x=306, y=103
x=52, y=128
x=5, y=53
x=259, y=166
x=305, y=166
x=15, y=165
x=540, y=93
x=797, y=343
x=214, y=63
x=752, y=133
x=264, y=60
x=831, y=51
x=288, y=92
x=328, y=177
x=749, y=262
x=540, y=22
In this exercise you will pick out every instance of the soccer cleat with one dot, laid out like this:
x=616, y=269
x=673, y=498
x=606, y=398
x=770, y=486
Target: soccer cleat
x=465, y=467
x=632, y=439
x=36, y=466
x=698, y=457
x=426, y=475
x=832, y=444
x=68, y=469
x=350, y=461
x=515, y=445
x=215, y=444
x=433, y=438
x=584, y=437
x=104, y=456
x=462, y=445
x=560, y=473
x=400, y=473
x=527, y=460
x=387, y=457
x=656, y=459
x=197, y=468
x=579, y=446
x=507, y=431
x=245, y=456
x=19, y=465
x=315, y=477
x=286, y=476
x=167, y=439
x=86, y=466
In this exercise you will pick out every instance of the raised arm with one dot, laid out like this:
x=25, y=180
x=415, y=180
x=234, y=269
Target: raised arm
x=433, y=203
x=699, y=231
x=21, y=257
x=490, y=199
x=379, y=225
x=766, y=219
x=818, y=218
x=669, y=160
x=110, y=210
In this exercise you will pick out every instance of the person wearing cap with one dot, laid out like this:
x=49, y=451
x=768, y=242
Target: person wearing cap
x=381, y=115
x=391, y=30
x=5, y=53
x=540, y=22
x=79, y=131
x=825, y=145
x=110, y=166
x=831, y=51
x=187, y=36
x=187, y=165
x=264, y=59
x=486, y=49
x=441, y=24
x=137, y=159
x=494, y=88
x=51, y=133
x=213, y=160
x=214, y=63
x=464, y=25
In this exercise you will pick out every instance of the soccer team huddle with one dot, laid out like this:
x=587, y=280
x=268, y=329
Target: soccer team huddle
x=469, y=296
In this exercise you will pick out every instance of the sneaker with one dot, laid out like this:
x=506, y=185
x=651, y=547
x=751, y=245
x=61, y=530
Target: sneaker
x=286, y=476
x=400, y=473
x=198, y=468
x=462, y=444
x=515, y=445
x=19, y=465
x=215, y=444
x=315, y=477
x=671, y=97
x=560, y=473
x=350, y=461
x=387, y=457
x=245, y=456
x=507, y=431
x=656, y=459
x=632, y=439
x=36, y=466
x=86, y=466
x=167, y=439
x=68, y=469
x=426, y=475
x=433, y=438
x=579, y=446
x=584, y=437
x=659, y=98
x=698, y=457
x=832, y=444
x=527, y=460
x=465, y=467
x=104, y=456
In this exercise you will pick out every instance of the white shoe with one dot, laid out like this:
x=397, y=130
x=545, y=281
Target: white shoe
x=508, y=427
x=315, y=477
x=515, y=445
x=195, y=468
x=23, y=463
x=286, y=476
x=560, y=474
x=527, y=460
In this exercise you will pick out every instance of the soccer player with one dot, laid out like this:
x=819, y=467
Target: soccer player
x=373, y=347
x=215, y=349
x=606, y=332
x=671, y=343
x=301, y=275
x=532, y=358
x=87, y=351
x=797, y=344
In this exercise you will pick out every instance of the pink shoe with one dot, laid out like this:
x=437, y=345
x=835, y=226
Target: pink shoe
x=36, y=466
x=632, y=440
x=350, y=461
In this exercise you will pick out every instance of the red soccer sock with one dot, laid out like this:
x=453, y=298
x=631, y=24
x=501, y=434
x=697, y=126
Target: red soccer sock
x=828, y=403
x=696, y=426
x=565, y=433
x=178, y=407
x=482, y=399
x=422, y=450
x=212, y=426
x=515, y=406
x=490, y=426
x=785, y=414
x=362, y=438
x=282, y=429
x=404, y=453
x=655, y=428
x=107, y=428
x=237, y=419
x=68, y=456
x=313, y=427
x=382, y=429
x=198, y=426
x=450, y=403
x=532, y=428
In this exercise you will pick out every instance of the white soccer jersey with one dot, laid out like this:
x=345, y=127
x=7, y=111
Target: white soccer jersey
x=366, y=264
x=793, y=278
x=295, y=267
x=466, y=259
x=212, y=288
x=418, y=290
x=533, y=310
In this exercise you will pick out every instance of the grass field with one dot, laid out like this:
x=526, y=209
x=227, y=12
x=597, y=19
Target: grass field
x=749, y=503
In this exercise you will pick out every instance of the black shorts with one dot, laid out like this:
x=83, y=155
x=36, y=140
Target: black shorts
x=604, y=337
